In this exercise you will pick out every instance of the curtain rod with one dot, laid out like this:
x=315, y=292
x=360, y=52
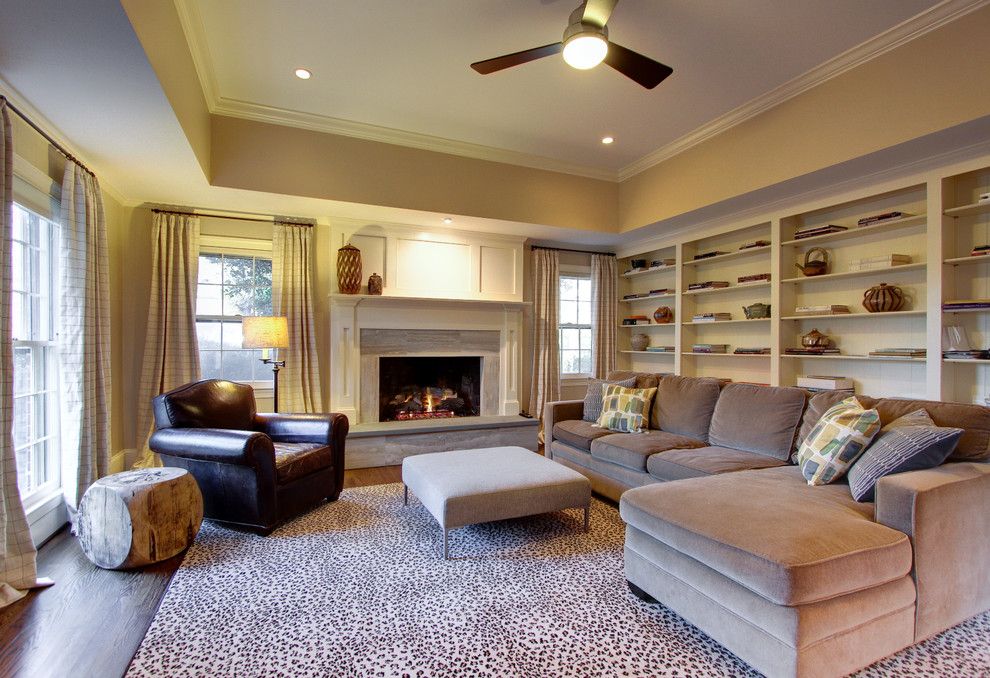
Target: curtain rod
x=57, y=146
x=266, y=220
x=564, y=249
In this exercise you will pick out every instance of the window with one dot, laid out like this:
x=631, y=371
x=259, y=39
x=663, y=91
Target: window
x=575, y=324
x=36, y=406
x=231, y=286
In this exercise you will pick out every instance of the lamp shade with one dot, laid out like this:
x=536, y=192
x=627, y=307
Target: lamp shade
x=264, y=331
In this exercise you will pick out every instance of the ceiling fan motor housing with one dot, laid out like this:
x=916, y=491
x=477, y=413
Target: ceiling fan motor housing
x=577, y=27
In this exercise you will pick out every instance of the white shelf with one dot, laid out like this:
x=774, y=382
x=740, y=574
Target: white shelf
x=728, y=355
x=649, y=352
x=966, y=261
x=842, y=356
x=727, y=322
x=730, y=288
x=857, y=274
x=856, y=231
x=652, y=296
x=650, y=325
x=648, y=271
x=830, y=316
x=728, y=255
x=966, y=210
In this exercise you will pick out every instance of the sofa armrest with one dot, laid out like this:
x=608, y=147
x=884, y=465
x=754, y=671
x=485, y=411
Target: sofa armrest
x=560, y=410
x=226, y=446
x=944, y=511
x=302, y=428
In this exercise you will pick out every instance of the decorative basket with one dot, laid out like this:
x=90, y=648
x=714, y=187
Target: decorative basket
x=349, y=269
x=883, y=298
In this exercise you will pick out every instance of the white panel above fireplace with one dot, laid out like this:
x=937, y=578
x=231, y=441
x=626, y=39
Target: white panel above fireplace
x=426, y=267
x=498, y=270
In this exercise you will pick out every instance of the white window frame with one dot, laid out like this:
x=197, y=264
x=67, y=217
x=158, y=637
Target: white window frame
x=581, y=272
x=244, y=247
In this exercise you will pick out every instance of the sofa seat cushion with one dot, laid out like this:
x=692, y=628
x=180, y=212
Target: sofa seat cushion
x=633, y=449
x=578, y=433
x=706, y=461
x=295, y=460
x=769, y=531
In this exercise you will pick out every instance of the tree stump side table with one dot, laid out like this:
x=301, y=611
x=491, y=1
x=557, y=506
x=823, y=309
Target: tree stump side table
x=139, y=517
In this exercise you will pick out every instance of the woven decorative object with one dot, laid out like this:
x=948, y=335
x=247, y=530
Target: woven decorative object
x=639, y=342
x=375, y=284
x=883, y=298
x=349, y=269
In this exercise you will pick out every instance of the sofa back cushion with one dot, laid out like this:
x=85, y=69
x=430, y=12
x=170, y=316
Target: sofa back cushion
x=974, y=445
x=758, y=419
x=643, y=379
x=684, y=405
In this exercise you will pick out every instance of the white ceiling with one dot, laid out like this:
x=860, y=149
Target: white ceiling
x=404, y=65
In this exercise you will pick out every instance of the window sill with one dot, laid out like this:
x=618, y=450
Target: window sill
x=574, y=378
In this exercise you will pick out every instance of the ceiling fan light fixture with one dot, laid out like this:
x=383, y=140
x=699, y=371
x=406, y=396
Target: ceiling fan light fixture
x=585, y=50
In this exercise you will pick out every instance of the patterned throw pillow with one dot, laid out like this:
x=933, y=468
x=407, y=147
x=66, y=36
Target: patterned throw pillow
x=836, y=441
x=909, y=443
x=596, y=391
x=625, y=409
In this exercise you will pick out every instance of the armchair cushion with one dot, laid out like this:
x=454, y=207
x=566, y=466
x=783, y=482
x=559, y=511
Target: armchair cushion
x=295, y=460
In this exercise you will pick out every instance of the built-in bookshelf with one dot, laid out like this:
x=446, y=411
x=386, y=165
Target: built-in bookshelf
x=940, y=228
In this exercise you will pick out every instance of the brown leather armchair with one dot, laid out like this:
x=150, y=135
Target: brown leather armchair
x=254, y=470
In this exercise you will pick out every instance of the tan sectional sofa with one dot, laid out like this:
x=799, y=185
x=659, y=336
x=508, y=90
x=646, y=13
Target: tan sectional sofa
x=795, y=580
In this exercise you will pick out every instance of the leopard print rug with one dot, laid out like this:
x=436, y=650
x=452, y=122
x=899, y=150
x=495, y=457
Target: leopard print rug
x=359, y=587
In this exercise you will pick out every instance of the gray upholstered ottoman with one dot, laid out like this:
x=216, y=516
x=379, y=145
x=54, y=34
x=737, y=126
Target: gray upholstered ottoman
x=465, y=487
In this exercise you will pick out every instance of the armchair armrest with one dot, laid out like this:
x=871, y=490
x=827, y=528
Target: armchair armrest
x=246, y=448
x=944, y=511
x=302, y=428
x=560, y=410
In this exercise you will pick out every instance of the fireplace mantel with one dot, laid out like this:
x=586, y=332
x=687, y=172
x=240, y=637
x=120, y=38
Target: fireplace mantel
x=391, y=299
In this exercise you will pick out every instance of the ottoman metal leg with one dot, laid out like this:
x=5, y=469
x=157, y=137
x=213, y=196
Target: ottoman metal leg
x=405, y=492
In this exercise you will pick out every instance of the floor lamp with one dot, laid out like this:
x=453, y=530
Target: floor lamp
x=267, y=333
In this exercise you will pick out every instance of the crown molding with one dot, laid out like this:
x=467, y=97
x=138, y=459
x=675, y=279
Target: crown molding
x=199, y=48
x=931, y=19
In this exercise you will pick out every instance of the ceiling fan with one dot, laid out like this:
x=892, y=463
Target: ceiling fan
x=585, y=45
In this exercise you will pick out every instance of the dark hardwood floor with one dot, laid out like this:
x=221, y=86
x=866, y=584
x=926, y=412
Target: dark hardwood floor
x=91, y=622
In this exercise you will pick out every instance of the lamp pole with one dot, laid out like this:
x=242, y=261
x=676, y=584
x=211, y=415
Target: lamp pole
x=276, y=366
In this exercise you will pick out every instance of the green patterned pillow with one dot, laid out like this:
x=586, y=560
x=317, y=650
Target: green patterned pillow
x=840, y=436
x=625, y=409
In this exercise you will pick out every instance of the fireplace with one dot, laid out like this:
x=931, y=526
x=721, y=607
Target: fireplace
x=419, y=387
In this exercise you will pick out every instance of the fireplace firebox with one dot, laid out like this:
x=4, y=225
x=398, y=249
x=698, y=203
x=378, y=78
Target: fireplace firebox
x=418, y=387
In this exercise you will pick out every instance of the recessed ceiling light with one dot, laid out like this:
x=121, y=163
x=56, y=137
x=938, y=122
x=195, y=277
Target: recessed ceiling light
x=607, y=140
x=303, y=74
x=448, y=220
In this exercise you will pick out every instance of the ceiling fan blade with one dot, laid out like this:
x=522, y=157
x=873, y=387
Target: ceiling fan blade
x=597, y=12
x=516, y=58
x=642, y=69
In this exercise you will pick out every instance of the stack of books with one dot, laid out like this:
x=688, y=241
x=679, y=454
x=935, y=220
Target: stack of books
x=812, y=231
x=822, y=309
x=762, y=350
x=974, y=354
x=814, y=382
x=662, y=290
x=708, y=285
x=708, y=255
x=711, y=317
x=636, y=320
x=637, y=295
x=899, y=352
x=663, y=263
x=755, y=243
x=881, y=261
x=965, y=304
x=811, y=351
x=881, y=218
x=756, y=277
x=660, y=349
x=980, y=250
x=710, y=348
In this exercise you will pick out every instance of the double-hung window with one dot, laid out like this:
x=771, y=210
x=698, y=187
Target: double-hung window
x=575, y=325
x=232, y=284
x=34, y=250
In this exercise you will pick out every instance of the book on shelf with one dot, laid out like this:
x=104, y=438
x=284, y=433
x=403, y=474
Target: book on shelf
x=633, y=323
x=903, y=258
x=662, y=290
x=710, y=317
x=812, y=231
x=755, y=243
x=709, y=255
x=811, y=351
x=874, y=263
x=709, y=348
x=824, y=382
x=974, y=354
x=708, y=285
x=663, y=263
x=980, y=251
x=899, y=350
x=755, y=277
x=958, y=304
x=882, y=218
x=810, y=389
x=761, y=350
x=660, y=349
x=822, y=309
x=637, y=295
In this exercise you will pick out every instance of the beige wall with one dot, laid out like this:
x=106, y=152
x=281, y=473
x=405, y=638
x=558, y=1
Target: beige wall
x=277, y=159
x=927, y=85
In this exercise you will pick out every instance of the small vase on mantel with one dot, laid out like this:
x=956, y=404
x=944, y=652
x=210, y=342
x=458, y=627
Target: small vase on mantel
x=349, y=269
x=375, y=284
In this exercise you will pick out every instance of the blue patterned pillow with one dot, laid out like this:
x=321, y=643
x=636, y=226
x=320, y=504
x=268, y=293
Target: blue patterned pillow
x=898, y=450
